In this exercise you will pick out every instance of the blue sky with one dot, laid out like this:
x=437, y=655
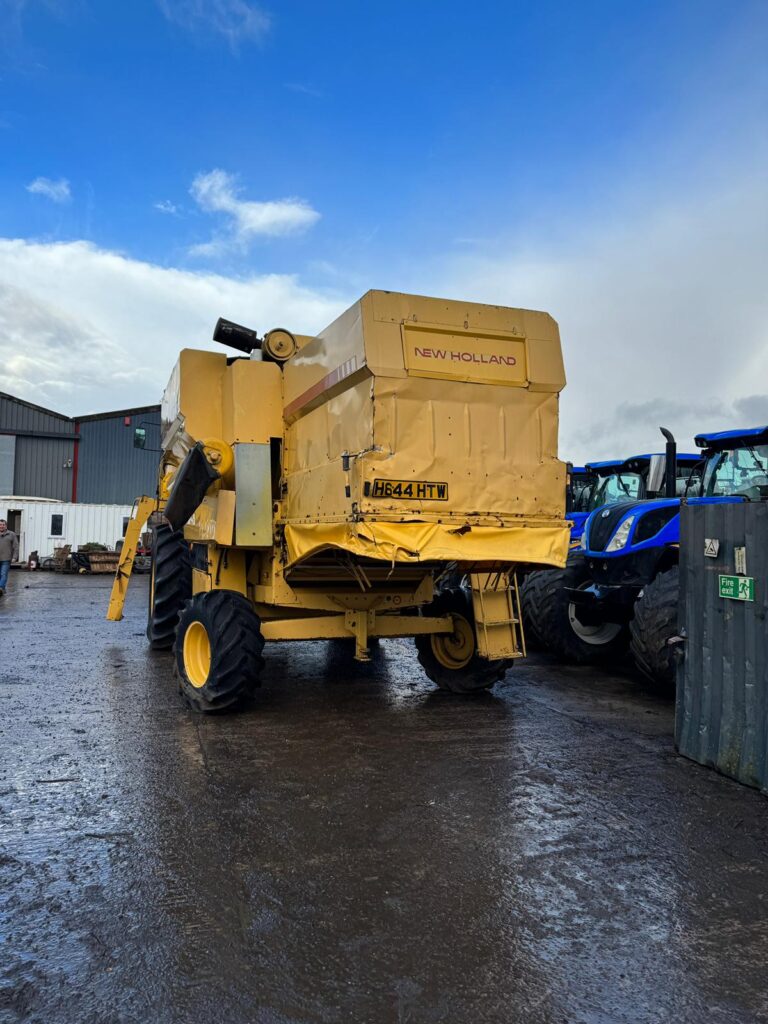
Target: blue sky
x=165, y=162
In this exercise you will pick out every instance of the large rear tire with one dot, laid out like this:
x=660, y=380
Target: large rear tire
x=533, y=598
x=218, y=650
x=451, y=660
x=554, y=619
x=653, y=625
x=170, y=585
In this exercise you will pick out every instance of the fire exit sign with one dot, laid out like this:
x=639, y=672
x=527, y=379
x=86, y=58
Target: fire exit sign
x=738, y=588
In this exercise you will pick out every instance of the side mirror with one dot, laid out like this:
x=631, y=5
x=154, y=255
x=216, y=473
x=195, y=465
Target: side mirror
x=140, y=437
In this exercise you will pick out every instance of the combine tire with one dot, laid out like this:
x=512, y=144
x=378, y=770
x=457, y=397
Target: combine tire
x=170, y=586
x=451, y=660
x=218, y=650
x=553, y=619
x=653, y=624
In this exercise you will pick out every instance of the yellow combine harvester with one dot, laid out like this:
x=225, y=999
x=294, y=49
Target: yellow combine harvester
x=382, y=479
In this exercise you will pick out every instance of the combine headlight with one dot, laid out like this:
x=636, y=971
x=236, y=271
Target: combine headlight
x=619, y=539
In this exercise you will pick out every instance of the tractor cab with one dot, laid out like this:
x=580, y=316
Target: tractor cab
x=638, y=478
x=734, y=464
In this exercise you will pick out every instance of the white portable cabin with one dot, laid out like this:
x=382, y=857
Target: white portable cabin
x=42, y=524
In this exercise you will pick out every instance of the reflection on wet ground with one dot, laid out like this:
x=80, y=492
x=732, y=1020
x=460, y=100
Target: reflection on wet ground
x=356, y=847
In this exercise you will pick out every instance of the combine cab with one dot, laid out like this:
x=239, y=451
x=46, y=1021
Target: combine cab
x=323, y=487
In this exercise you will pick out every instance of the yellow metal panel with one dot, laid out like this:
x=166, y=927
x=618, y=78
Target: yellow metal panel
x=200, y=377
x=253, y=496
x=225, y=518
x=225, y=571
x=252, y=402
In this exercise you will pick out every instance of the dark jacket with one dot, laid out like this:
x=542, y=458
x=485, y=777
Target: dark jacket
x=9, y=547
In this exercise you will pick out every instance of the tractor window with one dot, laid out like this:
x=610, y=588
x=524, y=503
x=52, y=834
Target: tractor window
x=581, y=492
x=738, y=471
x=617, y=487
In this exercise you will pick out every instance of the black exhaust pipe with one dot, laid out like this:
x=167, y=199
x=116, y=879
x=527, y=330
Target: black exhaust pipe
x=241, y=338
x=670, y=469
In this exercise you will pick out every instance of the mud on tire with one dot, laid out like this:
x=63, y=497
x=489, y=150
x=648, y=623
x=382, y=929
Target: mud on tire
x=477, y=673
x=170, y=585
x=549, y=614
x=218, y=650
x=653, y=624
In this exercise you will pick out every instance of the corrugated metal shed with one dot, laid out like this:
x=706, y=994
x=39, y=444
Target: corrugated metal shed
x=89, y=459
x=722, y=693
x=109, y=468
x=43, y=457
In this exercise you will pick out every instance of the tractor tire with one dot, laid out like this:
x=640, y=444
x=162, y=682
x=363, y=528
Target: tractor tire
x=556, y=625
x=218, y=650
x=533, y=597
x=452, y=661
x=653, y=625
x=170, y=586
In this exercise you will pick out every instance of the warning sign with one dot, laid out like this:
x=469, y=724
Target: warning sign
x=711, y=547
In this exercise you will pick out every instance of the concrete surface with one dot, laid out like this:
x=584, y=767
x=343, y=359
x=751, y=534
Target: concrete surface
x=356, y=847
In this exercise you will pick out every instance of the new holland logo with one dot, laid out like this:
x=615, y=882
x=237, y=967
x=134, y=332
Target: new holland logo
x=454, y=356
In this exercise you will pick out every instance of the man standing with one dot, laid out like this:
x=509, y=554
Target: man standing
x=9, y=552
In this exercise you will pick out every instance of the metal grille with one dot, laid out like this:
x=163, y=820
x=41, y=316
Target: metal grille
x=601, y=526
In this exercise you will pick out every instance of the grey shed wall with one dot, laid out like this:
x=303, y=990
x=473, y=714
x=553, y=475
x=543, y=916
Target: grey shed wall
x=722, y=686
x=110, y=470
x=44, y=449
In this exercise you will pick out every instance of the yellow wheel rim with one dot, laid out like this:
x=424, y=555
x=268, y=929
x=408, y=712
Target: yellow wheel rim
x=455, y=650
x=197, y=654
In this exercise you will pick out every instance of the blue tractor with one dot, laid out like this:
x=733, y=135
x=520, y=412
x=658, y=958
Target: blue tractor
x=622, y=585
x=560, y=607
x=601, y=483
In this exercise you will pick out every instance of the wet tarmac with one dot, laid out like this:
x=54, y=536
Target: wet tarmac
x=356, y=847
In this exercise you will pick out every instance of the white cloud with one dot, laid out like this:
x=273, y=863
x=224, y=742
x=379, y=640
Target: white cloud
x=166, y=206
x=217, y=192
x=84, y=329
x=663, y=312
x=56, y=191
x=236, y=20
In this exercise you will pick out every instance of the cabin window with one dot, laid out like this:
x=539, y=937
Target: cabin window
x=57, y=525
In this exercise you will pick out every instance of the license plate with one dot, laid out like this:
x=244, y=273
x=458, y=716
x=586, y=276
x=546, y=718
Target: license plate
x=413, y=490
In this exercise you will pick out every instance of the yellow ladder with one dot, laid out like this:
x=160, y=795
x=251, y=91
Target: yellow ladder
x=498, y=621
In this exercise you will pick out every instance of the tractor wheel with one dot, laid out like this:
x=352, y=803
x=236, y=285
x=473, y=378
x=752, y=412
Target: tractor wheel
x=557, y=626
x=450, y=659
x=533, y=592
x=170, y=585
x=653, y=624
x=218, y=650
